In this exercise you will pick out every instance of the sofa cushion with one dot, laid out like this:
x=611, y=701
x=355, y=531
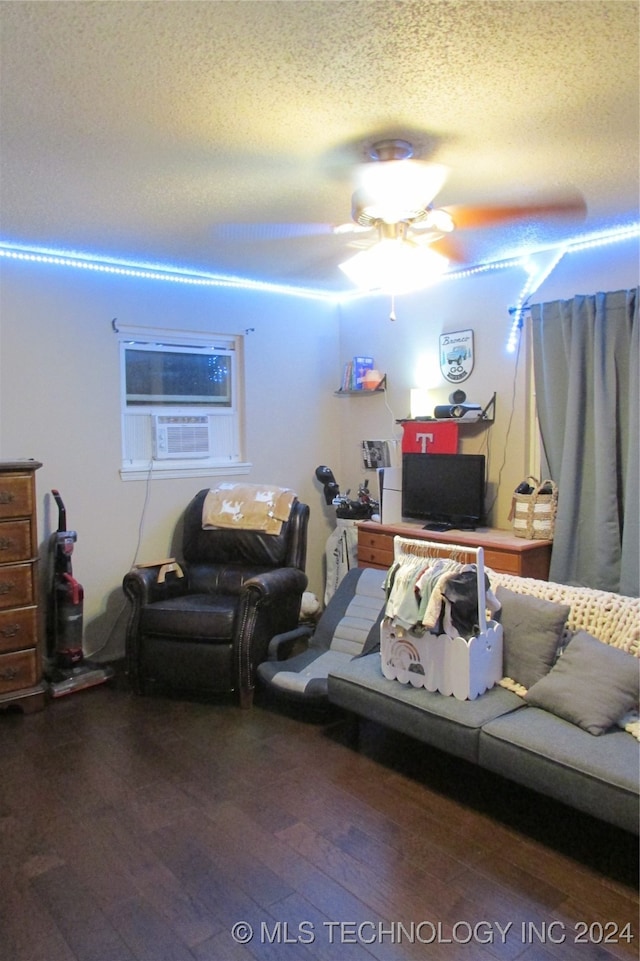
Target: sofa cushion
x=445, y=722
x=532, y=631
x=592, y=684
x=550, y=755
x=349, y=627
x=191, y=616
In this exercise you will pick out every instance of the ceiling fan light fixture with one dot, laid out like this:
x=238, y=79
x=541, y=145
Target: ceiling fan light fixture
x=393, y=190
x=395, y=267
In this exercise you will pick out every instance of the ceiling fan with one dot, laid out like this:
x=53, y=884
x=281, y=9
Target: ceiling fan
x=395, y=198
x=405, y=240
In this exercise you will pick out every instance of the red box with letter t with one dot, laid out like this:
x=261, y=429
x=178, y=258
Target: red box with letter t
x=429, y=437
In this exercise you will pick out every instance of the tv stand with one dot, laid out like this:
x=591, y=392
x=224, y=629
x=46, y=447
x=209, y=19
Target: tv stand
x=437, y=527
x=502, y=550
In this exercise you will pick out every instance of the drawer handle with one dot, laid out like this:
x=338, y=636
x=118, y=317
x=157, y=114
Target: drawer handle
x=6, y=497
x=9, y=673
x=7, y=587
x=11, y=630
x=6, y=544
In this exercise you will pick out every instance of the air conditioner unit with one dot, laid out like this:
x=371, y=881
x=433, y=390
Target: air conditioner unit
x=181, y=437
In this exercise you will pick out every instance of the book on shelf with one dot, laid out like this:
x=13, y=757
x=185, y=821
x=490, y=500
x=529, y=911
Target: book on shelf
x=361, y=366
x=347, y=377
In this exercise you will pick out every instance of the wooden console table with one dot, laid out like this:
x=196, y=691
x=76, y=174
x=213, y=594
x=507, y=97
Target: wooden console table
x=502, y=551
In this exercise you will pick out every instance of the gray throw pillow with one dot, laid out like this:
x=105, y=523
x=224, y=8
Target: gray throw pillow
x=532, y=630
x=591, y=685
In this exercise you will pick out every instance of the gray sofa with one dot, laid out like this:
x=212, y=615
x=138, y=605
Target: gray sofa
x=509, y=729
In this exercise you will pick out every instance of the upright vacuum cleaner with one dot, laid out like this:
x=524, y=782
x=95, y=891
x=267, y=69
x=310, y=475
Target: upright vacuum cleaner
x=67, y=671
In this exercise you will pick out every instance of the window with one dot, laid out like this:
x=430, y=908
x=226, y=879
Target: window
x=176, y=376
x=181, y=403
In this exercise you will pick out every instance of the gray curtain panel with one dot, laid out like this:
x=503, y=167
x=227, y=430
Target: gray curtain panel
x=586, y=358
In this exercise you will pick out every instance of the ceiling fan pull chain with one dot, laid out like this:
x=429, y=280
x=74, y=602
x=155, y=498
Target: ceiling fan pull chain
x=392, y=315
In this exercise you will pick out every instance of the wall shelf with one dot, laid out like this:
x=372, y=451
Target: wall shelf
x=380, y=389
x=445, y=420
x=485, y=416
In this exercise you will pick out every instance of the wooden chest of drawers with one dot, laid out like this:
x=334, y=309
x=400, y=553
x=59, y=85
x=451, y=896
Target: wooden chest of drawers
x=20, y=653
x=502, y=551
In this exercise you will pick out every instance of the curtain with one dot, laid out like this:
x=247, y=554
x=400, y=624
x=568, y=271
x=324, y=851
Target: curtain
x=586, y=357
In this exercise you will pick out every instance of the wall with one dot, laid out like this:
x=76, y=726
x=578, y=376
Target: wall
x=407, y=350
x=59, y=404
x=59, y=396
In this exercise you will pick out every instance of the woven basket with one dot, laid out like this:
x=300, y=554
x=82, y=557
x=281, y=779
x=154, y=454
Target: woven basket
x=534, y=515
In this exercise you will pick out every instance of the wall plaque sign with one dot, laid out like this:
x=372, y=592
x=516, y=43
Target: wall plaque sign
x=456, y=355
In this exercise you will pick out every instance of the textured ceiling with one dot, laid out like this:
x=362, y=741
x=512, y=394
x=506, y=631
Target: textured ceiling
x=136, y=129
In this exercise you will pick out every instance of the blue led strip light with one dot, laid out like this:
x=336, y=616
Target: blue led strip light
x=537, y=276
x=128, y=268
x=125, y=268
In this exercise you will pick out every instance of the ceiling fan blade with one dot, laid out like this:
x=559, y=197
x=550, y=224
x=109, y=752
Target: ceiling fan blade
x=234, y=232
x=471, y=217
x=450, y=248
x=363, y=243
x=353, y=228
x=257, y=232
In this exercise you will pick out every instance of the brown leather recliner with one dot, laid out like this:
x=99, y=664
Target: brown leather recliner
x=207, y=631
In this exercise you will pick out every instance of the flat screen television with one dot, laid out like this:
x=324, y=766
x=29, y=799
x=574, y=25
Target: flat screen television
x=444, y=490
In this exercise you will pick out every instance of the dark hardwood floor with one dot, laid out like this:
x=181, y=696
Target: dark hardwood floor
x=157, y=829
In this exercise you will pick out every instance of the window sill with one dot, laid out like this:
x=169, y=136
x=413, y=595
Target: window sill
x=168, y=471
